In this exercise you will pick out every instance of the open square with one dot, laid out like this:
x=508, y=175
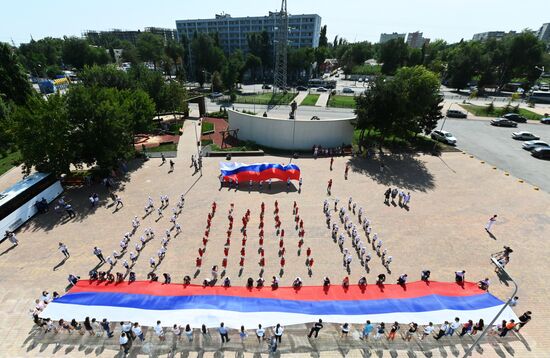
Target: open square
x=452, y=196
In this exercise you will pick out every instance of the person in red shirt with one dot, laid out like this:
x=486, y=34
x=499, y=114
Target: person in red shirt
x=226, y=251
x=311, y=262
x=329, y=186
x=301, y=224
x=282, y=251
x=206, y=233
x=281, y=243
x=282, y=233
x=244, y=241
x=224, y=262
x=200, y=251
x=262, y=262
x=261, y=251
x=204, y=241
x=296, y=211
x=300, y=243
x=243, y=252
x=198, y=262
x=261, y=240
x=241, y=263
x=283, y=261
x=308, y=252
x=261, y=233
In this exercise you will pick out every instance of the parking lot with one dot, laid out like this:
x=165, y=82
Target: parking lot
x=495, y=146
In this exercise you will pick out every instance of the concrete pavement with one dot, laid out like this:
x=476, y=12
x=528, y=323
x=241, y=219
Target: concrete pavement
x=323, y=99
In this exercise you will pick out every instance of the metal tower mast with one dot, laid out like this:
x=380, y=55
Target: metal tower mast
x=281, y=44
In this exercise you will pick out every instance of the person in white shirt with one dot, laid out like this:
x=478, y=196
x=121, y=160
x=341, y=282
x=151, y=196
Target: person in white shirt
x=159, y=331
x=453, y=327
x=176, y=330
x=427, y=330
x=490, y=223
x=260, y=333
x=124, y=343
x=278, y=331
x=136, y=329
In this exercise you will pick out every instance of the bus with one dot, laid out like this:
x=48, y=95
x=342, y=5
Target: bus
x=540, y=97
x=317, y=82
x=19, y=203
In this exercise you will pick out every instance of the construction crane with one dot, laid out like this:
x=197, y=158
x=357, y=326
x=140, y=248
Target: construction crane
x=281, y=49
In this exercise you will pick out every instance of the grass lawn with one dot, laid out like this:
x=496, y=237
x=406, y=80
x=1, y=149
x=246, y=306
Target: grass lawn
x=9, y=161
x=310, y=100
x=164, y=147
x=266, y=98
x=341, y=101
x=482, y=111
x=207, y=127
x=419, y=143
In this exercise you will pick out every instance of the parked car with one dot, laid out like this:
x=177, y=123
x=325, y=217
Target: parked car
x=541, y=153
x=347, y=90
x=266, y=87
x=301, y=88
x=545, y=120
x=216, y=95
x=503, y=122
x=360, y=80
x=524, y=136
x=532, y=144
x=455, y=113
x=443, y=136
x=321, y=89
x=515, y=117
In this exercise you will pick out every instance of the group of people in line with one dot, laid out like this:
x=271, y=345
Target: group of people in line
x=403, y=199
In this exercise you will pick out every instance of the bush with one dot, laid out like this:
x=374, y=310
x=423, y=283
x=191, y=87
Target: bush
x=515, y=109
x=233, y=96
x=490, y=108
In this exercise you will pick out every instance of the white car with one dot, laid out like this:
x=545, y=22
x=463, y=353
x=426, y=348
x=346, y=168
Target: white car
x=443, y=136
x=524, y=136
x=347, y=90
x=533, y=144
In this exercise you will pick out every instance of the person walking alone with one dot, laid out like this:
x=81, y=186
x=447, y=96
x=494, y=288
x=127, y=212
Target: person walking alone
x=64, y=250
x=490, y=223
x=99, y=254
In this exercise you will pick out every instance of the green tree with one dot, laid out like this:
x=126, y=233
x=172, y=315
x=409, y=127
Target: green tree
x=105, y=76
x=173, y=97
x=14, y=85
x=38, y=56
x=6, y=127
x=463, y=63
x=150, y=48
x=78, y=53
x=217, y=82
x=207, y=56
x=393, y=55
x=175, y=51
x=43, y=133
x=233, y=70
x=254, y=65
x=323, y=40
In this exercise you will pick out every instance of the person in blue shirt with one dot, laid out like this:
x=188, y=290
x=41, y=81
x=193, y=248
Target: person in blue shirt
x=223, y=333
x=367, y=329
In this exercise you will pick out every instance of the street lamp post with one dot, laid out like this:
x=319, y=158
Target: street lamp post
x=198, y=148
x=488, y=327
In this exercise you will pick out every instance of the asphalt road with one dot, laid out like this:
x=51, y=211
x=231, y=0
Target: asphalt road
x=495, y=146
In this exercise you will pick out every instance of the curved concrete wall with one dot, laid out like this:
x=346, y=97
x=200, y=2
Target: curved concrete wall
x=291, y=134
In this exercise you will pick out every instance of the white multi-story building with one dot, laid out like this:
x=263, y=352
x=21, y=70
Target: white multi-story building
x=304, y=30
x=544, y=33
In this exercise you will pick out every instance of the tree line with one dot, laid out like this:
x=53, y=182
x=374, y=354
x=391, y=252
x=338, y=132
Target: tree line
x=94, y=123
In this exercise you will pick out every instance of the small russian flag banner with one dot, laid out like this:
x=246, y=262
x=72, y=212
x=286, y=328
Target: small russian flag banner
x=146, y=302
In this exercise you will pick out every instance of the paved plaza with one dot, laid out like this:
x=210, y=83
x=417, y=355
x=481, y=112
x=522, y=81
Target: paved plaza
x=443, y=231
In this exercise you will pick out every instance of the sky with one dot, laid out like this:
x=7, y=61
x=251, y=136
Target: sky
x=355, y=20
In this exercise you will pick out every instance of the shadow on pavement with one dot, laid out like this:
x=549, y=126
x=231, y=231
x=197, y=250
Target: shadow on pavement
x=78, y=198
x=404, y=171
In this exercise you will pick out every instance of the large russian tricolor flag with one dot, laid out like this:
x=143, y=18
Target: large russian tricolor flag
x=258, y=171
x=147, y=302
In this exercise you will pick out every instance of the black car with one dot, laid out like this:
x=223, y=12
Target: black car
x=454, y=113
x=266, y=87
x=541, y=153
x=515, y=117
x=545, y=120
x=301, y=88
x=503, y=122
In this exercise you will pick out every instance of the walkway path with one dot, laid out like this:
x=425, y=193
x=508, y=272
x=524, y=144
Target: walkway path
x=300, y=97
x=323, y=99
